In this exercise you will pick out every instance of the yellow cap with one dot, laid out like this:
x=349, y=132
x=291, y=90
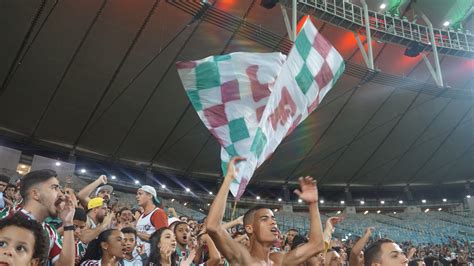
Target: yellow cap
x=95, y=202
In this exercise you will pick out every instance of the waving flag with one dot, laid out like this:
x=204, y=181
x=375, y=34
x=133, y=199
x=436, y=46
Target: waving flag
x=251, y=101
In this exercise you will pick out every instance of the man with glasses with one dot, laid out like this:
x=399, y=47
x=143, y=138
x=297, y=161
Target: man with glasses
x=42, y=198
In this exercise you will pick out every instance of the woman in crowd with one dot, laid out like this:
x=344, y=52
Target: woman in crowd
x=108, y=249
x=163, y=250
x=22, y=242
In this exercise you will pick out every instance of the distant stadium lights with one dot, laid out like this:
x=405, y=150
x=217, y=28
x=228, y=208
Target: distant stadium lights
x=321, y=201
x=400, y=201
x=300, y=200
x=113, y=177
x=366, y=212
x=258, y=197
x=342, y=202
x=383, y=6
x=378, y=211
x=275, y=210
x=279, y=199
x=394, y=212
x=468, y=196
x=444, y=200
x=362, y=202
x=172, y=200
x=185, y=204
x=440, y=209
x=446, y=23
x=338, y=212
x=163, y=186
x=382, y=202
x=83, y=171
x=208, y=204
x=423, y=201
x=188, y=190
x=137, y=182
x=427, y=210
x=58, y=164
x=210, y=192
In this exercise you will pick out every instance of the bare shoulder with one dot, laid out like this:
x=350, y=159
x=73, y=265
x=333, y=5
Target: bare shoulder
x=277, y=258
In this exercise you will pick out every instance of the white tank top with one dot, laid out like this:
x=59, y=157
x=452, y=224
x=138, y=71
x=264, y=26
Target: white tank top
x=144, y=225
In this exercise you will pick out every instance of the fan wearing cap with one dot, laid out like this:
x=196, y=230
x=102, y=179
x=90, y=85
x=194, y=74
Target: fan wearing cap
x=152, y=219
x=98, y=220
x=101, y=188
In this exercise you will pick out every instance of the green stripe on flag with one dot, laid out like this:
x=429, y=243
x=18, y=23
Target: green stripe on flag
x=304, y=79
x=303, y=45
x=238, y=129
x=258, y=143
x=207, y=75
x=231, y=150
x=195, y=100
x=338, y=74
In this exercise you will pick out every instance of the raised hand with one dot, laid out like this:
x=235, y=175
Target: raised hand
x=369, y=230
x=332, y=221
x=231, y=170
x=309, y=190
x=166, y=251
x=66, y=210
x=102, y=179
x=189, y=259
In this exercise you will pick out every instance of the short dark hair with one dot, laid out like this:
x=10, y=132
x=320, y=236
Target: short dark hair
x=4, y=178
x=33, y=178
x=9, y=186
x=248, y=216
x=293, y=229
x=41, y=248
x=298, y=240
x=80, y=215
x=372, y=252
x=129, y=230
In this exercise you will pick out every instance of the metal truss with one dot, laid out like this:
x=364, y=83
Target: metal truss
x=388, y=28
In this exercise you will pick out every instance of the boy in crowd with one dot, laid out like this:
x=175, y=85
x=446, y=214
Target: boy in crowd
x=133, y=257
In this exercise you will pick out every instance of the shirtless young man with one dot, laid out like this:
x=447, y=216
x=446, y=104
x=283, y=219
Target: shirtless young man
x=262, y=229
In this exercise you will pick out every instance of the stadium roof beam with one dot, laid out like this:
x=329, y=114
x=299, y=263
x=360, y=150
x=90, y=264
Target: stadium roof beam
x=388, y=28
x=436, y=73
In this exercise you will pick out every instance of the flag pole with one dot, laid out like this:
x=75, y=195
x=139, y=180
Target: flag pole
x=233, y=211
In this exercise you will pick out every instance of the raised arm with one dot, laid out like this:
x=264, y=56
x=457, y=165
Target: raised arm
x=66, y=214
x=329, y=229
x=315, y=245
x=83, y=195
x=354, y=259
x=239, y=220
x=231, y=250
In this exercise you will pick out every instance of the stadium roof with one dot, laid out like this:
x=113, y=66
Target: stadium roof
x=98, y=77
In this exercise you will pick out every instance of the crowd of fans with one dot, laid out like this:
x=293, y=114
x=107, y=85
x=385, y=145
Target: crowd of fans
x=42, y=223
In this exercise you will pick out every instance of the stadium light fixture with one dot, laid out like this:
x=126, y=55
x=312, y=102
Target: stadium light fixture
x=172, y=200
x=113, y=177
x=185, y=204
x=338, y=212
x=427, y=210
x=258, y=197
x=400, y=202
x=362, y=202
x=321, y=201
x=423, y=201
x=188, y=190
x=58, y=164
x=210, y=192
x=383, y=6
x=468, y=196
x=300, y=200
x=378, y=211
x=446, y=23
x=394, y=212
x=279, y=199
x=444, y=200
x=137, y=182
x=83, y=171
x=275, y=210
x=366, y=212
x=440, y=209
x=208, y=204
x=382, y=202
x=163, y=186
x=342, y=202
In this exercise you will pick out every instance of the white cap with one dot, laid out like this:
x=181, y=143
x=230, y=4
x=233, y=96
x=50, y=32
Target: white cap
x=152, y=191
